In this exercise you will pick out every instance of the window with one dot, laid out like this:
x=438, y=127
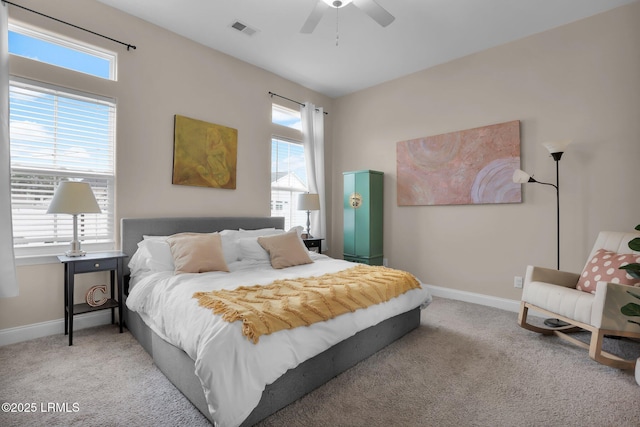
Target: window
x=288, y=167
x=288, y=179
x=52, y=49
x=58, y=134
x=286, y=117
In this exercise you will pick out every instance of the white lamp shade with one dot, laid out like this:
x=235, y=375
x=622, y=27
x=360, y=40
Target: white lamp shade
x=308, y=202
x=74, y=198
x=557, y=146
x=520, y=176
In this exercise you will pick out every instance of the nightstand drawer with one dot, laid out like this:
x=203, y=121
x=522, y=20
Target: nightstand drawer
x=95, y=265
x=313, y=243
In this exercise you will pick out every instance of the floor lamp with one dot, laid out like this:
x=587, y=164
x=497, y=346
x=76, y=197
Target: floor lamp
x=556, y=149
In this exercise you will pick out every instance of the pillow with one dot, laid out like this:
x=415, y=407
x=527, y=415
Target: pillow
x=298, y=229
x=260, y=232
x=285, y=250
x=197, y=252
x=230, y=245
x=250, y=249
x=152, y=255
x=160, y=258
x=605, y=267
x=137, y=263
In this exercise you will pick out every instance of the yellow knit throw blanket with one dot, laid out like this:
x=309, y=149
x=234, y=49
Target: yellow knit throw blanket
x=289, y=303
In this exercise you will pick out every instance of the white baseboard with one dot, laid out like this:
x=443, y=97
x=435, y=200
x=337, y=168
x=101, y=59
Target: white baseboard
x=496, y=302
x=37, y=330
x=53, y=327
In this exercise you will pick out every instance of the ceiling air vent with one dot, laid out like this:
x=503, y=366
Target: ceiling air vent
x=243, y=28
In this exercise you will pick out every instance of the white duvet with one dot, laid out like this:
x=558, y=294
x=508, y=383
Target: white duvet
x=232, y=370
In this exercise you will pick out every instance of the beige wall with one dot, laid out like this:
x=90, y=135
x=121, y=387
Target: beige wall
x=165, y=75
x=580, y=81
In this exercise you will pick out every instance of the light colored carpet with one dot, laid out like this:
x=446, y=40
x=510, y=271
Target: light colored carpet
x=467, y=365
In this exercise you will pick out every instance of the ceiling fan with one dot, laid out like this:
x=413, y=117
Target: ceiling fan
x=370, y=7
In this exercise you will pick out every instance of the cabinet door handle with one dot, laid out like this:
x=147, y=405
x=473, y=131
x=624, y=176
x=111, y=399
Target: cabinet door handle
x=97, y=265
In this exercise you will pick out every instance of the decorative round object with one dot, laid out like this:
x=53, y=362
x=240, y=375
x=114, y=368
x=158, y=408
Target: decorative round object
x=91, y=298
x=355, y=200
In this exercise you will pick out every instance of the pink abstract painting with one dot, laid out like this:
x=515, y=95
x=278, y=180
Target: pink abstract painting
x=473, y=166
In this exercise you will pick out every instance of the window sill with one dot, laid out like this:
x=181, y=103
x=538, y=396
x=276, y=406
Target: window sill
x=39, y=256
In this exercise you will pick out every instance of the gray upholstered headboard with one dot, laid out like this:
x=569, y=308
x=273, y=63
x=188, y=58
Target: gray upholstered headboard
x=132, y=229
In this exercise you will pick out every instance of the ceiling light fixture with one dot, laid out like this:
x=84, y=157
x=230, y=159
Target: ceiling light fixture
x=337, y=4
x=370, y=7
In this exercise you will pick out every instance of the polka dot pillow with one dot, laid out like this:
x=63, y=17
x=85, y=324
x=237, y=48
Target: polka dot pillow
x=605, y=267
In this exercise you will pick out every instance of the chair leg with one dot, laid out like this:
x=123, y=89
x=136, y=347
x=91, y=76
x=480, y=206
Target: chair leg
x=600, y=356
x=522, y=321
x=594, y=347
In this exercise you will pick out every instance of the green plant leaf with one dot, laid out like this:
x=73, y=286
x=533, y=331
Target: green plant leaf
x=631, y=309
x=634, y=244
x=638, y=227
x=632, y=269
x=633, y=294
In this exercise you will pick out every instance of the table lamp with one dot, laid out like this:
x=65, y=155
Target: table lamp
x=74, y=198
x=308, y=202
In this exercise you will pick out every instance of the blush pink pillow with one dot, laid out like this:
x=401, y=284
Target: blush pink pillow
x=285, y=250
x=605, y=267
x=197, y=252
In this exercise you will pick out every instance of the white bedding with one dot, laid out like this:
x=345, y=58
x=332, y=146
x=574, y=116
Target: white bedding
x=232, y=370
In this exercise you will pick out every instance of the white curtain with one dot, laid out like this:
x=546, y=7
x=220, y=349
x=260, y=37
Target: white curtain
x=8, y=281
x=313, y=140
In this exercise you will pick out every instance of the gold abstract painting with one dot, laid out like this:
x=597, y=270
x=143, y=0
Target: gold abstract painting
x=204, y=154
x=473, y=166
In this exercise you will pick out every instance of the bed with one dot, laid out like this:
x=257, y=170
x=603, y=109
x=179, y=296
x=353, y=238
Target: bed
x=182, y=359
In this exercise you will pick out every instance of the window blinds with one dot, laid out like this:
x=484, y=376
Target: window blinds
x=58, y=134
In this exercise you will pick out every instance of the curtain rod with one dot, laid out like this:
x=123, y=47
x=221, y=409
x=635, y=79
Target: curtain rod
x=129, y=46
x=292, y=100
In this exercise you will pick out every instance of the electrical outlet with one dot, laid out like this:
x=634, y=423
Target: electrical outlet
x=517, y=282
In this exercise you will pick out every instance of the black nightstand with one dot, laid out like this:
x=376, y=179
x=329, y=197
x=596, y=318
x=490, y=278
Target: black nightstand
x=104, y=261
x=313, y=243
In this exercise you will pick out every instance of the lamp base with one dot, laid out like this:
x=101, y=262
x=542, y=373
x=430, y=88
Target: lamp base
x=555, y=323
x=75, y=249
x=72, y=253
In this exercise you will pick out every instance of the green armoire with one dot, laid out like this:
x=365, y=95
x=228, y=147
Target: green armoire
x=363, y=196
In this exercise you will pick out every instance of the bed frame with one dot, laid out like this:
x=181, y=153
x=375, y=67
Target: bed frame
x=179, y=368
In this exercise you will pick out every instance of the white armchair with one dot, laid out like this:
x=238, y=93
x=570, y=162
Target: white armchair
x=553, y=293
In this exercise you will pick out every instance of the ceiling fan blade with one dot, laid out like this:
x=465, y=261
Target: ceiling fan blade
x=375, y=11
x=315, y=16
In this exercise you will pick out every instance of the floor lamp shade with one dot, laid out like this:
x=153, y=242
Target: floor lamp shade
x=556, y=148
x=74, y=198
x=308, y=202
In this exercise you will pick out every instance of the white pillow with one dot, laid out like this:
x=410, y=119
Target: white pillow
x=250, y=249
x=153, y=255
x=230, y=247
x=260, y=232
x=150, y=237
x=229, y=238
x=137, y=263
